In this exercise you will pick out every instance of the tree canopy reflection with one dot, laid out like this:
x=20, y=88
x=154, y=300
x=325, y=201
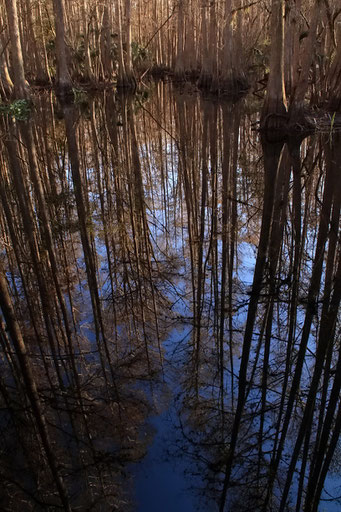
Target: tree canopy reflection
x=154, y=247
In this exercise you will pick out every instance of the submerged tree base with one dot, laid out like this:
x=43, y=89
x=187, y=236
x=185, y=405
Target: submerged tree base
x=235, y=86
x=302, y=122
x=232, y=87
x=127, y=81
x=159, y=71
x=64, y=92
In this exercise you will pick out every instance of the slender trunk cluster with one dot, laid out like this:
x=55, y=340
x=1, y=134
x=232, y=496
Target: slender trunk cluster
x=225, y=48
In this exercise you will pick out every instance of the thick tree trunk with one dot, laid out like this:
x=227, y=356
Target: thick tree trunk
x=228, y=56
x=232, y=76
x=126, y=77
x=20, y=84
x=205, y=78
x=297, y=100
x=40, y=75
x=63, y=83
x=334, y=78
x=43, y=41
x=105, y=41
x=275, y=105
x=292, y=45
x=129, y=62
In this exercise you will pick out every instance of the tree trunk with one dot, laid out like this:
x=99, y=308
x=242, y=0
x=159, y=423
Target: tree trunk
x=179, y=65
x=334, y=78
x=105, y=41
x=6, y=81
x=297, y=100
x=87, y=57
x=39, y=71
x=272, y=153
x=275, y=100
x=20, y=84
x=63, y=83
x=30, y=386
x=126, y=77
x=205, y=79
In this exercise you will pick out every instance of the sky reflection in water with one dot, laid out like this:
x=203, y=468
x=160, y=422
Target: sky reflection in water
x=174, y=235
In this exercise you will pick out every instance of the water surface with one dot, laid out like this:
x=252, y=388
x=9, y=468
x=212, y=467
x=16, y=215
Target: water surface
x=176, y=281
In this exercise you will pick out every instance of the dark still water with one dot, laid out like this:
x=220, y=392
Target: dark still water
x=170, y=289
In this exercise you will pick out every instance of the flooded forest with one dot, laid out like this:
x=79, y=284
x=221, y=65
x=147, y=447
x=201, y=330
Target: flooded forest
x=170, y=255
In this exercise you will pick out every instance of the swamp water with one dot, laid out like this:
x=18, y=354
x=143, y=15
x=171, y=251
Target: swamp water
x=177, y=283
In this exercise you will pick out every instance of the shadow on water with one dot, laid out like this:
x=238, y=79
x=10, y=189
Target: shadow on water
x=170, y=288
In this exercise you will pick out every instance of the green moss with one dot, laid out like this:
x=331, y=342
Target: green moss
x=19, y=109
x=80, y=96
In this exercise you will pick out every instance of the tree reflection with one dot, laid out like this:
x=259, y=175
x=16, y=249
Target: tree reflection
x=139, y=235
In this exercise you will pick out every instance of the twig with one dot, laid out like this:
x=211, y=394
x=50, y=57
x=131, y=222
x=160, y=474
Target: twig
x=160, y=28
x=242, y=7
